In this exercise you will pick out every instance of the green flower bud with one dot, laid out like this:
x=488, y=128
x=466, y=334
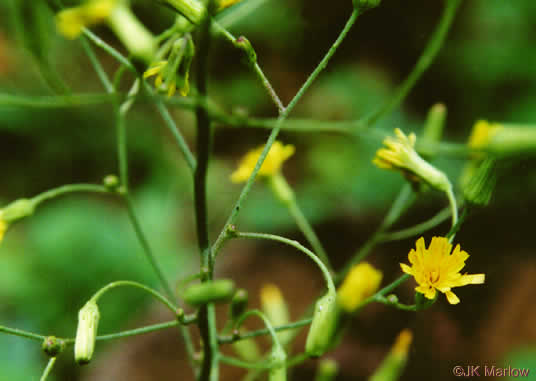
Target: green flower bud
x=17, y=209
x=111, y=182
x=278, y=358
x=53, y=346
x=327, y=370
x=433, y=130
x=247, y=349
x=323, y=328
x=209, y=292
x=243, y=44
x=86, y=333
x=193, y=10
x=239, y=303
x=478, y=181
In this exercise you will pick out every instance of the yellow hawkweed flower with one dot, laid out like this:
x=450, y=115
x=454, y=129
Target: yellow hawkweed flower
x=482, y=134
x=227, y=3
x=400, y=155
x=436, y=268
x=362, y=281
x=70, y=22
x=272, y=164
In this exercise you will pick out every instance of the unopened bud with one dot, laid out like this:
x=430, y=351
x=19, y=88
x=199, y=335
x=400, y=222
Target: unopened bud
x=327, y=370
x=111, y=182
x=243, y=44
x=17, y=209
x=53, y=346
x=433, y=130
x=478, y=181
x=323, y=327
x=209, y=292
x=366, y=4
x=86, y=333
x=278, y=358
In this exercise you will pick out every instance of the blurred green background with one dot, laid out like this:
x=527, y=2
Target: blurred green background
x=52, y=262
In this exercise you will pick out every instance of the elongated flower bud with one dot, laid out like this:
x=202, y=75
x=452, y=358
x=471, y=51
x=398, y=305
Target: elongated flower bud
x=323, y=327
x=278, y=357
x=209, y=292
x=275, y=308
x=86, y=333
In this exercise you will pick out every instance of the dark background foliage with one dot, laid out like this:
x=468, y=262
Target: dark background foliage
x=52, y=262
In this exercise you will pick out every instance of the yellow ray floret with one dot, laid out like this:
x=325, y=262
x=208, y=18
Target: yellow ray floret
x=277, y=155
x=436, y=268
x=362, y=281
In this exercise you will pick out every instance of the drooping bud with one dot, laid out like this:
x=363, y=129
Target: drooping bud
x=111, y=182
x=323, y=326
x=18, y=209
x=478, y=181
x=86, y=333
x=278, y=358
x=209, y=292
x=366, y=4
x=243, y=44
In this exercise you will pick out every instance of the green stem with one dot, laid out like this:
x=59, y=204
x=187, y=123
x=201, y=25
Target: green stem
x=269, y=88
x=147, y=248
x=70, y=188
x=425, y=60
x=329, y=282
x=128, y=283
x=417, y=229
x=275, y=132
x=110, y=50
x=207, y=314
x=264, y=331
x=103, y=77
x=397, y=305
x=56, y=101
x=387, y=289
x=453, y=207
x=244, y=364
x=22, y=333
x=284, y=192
x=48, y=369
x=172, y=126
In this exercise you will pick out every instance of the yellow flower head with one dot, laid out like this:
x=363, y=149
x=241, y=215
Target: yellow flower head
x=362, y=281
x=3, y=226
x=482, y=134
x=277, y=155
x=70, y=22
x=227, y=3
x=400, y=155
x=436, y=268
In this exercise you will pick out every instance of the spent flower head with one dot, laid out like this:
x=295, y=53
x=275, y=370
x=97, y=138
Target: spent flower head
x=400, y=155
x=362, y=281
x=70, y=22
x=277, y=155
x=437, y=269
